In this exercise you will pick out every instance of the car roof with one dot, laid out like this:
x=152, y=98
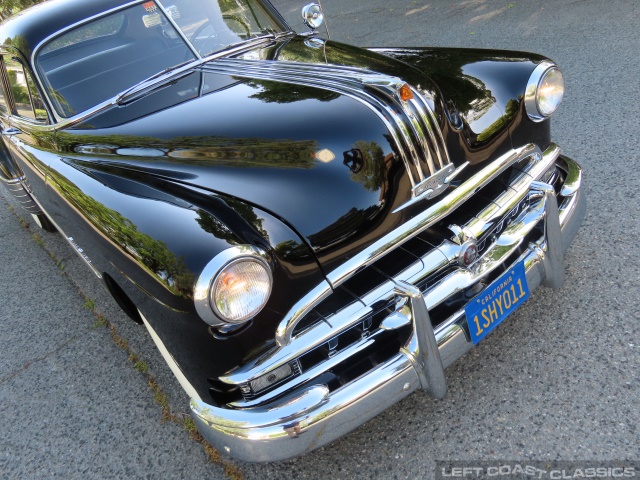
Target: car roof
x=27, y=29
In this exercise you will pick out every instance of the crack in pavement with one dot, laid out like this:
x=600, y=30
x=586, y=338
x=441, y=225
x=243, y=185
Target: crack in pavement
x=25, y=366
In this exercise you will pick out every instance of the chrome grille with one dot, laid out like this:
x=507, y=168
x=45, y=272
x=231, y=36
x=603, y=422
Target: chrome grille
x=369, y=330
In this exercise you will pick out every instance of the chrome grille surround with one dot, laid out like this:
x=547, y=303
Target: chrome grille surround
x=522, y=196
x=307, y=412
x=416, y=225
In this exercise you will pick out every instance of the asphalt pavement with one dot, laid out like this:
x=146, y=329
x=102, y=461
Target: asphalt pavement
x=559, y=380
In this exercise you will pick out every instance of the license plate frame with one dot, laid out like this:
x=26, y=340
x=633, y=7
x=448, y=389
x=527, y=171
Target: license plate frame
x=496, y=302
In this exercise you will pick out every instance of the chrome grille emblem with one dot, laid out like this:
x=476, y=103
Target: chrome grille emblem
x=469, y=250
x=468, y=253
x=434, y=185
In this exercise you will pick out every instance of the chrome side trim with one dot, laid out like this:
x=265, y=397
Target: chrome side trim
x=399, y=236
x=76, y=248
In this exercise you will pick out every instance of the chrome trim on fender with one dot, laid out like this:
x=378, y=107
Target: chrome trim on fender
x=19, y=189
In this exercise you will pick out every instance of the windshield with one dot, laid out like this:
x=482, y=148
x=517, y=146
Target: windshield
x=92, y=63
x=211, y=26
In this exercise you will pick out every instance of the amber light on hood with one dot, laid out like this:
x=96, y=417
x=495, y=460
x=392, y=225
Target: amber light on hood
x=405, y=93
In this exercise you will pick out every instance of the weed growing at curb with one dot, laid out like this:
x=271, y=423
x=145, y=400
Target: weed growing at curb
x=100, y=322
x=38, y=239
x=89, y=304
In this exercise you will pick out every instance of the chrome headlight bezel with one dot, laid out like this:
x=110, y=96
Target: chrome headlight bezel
x=204, y=288
x=533, y=91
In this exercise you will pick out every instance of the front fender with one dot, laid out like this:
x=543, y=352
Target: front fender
x=154, y=236
x=483, y=93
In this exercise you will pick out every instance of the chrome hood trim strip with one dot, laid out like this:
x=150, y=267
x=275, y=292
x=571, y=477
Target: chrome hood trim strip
x=411, y=123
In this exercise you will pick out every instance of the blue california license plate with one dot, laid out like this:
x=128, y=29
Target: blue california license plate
x=496, y=302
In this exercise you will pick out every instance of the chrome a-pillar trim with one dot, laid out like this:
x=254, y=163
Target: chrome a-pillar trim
x=422, y=349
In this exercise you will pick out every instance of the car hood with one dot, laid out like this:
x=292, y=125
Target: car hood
x=314, y=156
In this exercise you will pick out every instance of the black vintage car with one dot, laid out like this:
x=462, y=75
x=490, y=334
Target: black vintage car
x=310, y=231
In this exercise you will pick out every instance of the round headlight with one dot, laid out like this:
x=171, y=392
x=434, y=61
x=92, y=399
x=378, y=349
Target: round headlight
x=233, y=287
x=241, y=289
x=544, y=91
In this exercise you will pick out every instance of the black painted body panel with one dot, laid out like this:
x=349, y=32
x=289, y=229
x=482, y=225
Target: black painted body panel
x=152, y=190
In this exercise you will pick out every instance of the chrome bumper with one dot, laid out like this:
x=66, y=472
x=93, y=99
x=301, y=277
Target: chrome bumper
x=310, y=418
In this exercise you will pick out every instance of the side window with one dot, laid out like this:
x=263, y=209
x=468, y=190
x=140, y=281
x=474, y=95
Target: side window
x=25, y=94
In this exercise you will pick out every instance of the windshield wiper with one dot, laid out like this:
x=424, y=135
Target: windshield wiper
x=274, y=33
x=149, y=84
x=248, y=43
